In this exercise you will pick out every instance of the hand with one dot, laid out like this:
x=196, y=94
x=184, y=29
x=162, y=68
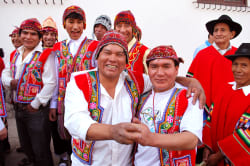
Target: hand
x=146, y=136
x=31, y=109
x=196, y=88
x=206, y=153
x=3, y=134
x=125, y=133
x=52, y=115
x=13, y=84
x=214, y=159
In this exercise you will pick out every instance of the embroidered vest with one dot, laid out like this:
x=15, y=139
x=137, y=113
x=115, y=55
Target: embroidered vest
x=68, y=64
x=30, y=81
x=89, y=84
x=170, y=124
x=136, y=57
x=3, y=112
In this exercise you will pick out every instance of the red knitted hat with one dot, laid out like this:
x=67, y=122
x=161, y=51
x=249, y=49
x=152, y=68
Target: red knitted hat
x=15, y=31
x=31, y=24
x=74, y=9
x=163, y=52
x=112, y=37
x=126, y=17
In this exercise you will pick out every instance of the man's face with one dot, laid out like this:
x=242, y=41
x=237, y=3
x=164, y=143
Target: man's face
x=126, y=30
x=99, y=31
x=111, y=61
x=30, y=38
x=162, y=73
x=49, y=39
x=16, y=40
x=241, y=71
x=222, y=34
x=74, y=27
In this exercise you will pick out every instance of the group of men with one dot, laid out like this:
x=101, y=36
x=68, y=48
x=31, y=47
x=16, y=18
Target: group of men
x=104, y=108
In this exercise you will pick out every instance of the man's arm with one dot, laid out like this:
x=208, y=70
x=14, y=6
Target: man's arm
x=3, y=130
x=179, y=141
x=195, y=87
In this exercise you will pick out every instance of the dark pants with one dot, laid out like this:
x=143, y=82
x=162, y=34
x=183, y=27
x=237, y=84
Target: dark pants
x=2, y=160
x=60, y=146
x=34, y=132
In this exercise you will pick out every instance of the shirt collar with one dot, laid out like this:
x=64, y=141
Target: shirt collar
x=131, y=43
x=75, y=41
x=245, y=89
x=222, y=52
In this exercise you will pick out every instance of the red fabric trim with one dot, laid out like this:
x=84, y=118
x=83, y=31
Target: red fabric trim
x=12, y=55
x=232, y=149
x=2, y=66
x=139, y=80
x=83, y=83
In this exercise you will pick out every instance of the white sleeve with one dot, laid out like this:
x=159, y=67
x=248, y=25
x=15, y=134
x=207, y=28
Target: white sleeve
x=192, y=119
x=54, y=99
x=77, y=116
x=147, y=83
x=49, y=83
x=6, y=75
x=1, y=124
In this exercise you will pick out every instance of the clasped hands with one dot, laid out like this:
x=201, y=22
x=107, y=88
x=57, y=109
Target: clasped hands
x=128, y=133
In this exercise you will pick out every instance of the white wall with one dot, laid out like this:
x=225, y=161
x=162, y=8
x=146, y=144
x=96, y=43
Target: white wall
x=163, y=22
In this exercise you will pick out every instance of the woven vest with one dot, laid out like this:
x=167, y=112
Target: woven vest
x=30, y=82
x=174, y=110
x=3, y=112
x=136, y=57
x=89, y=84
x=67, y=64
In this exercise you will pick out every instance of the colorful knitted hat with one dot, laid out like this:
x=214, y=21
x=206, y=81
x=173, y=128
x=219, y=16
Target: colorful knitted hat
x=126, y=17
x=15, y=31
x=49, y=25
x=163, y=52
x=74, y=9
x=112, y=37
x=104, y=20
x=31, y=24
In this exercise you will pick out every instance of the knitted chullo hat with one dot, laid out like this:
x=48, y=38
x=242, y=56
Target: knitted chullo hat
x=112, y=37
x=49, y=25
x=31, y=24
x=126, y=17
x=15, y=31
x=163, y=52
x=104, y=20
x=74, y=9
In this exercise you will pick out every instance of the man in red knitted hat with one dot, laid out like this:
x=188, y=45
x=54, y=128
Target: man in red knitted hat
x=171, y=125
x=100, y=104
x=125, y=24
x=73, y=54
x=32, y=78
x=15, y=38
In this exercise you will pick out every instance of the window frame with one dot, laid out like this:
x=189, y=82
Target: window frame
x=224, y=2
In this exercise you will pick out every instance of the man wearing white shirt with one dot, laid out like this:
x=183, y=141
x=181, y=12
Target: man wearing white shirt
x=171, y=125
x=74, y=54
x=31, y=77
x=100, y=105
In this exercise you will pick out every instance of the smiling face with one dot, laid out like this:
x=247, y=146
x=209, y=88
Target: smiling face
x=16, y=40
x=162, y=73
x=74, y=27
x=49, y=39
x=30, y=38
x=111, y=62
x=126, y=30
x=241, y=71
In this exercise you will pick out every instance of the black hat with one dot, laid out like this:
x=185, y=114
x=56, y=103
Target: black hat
x=242, y=51
x=234, y=26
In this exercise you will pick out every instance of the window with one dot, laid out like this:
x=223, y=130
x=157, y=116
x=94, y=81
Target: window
x=225, y=2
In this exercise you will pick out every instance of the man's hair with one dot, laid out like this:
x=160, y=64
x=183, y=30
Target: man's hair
x=39, y=33
x=74, y=15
